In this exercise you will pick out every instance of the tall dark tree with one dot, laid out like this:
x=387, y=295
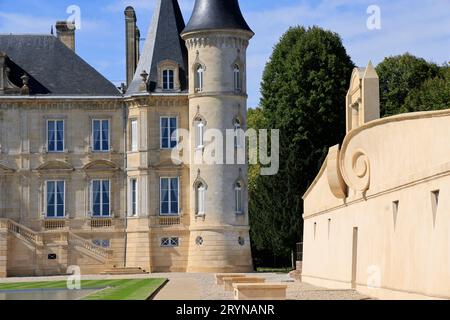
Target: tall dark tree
x=399, y=76
x=303, y=95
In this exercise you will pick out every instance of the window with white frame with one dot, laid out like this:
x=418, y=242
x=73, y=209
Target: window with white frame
x=238, y=198
x=134, y=135
x=169, y=196
x=168, y=79
x=199, y=78
x=133, y=197
x=100, y=135
x=170, y=242
x=200, y=199
x=55, y=135
x=101, y=194
x=200, y=133
x=169, y=126
x=237, y=78
x=55, y=195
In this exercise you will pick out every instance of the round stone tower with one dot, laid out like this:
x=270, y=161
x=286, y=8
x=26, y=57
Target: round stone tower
x=217, y=38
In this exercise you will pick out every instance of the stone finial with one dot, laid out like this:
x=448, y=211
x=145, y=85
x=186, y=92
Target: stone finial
x=25, y=90
x=363, y=97
x=144, y=76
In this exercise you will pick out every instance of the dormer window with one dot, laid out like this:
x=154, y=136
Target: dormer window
x=168, y=79
x=199, y=72
x=237, y=78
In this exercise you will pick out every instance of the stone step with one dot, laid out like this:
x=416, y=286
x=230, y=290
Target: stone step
x=123, y=271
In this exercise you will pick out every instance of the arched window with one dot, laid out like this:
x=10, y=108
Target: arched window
x=237, y=78
x=237, y=133
x=238, y=198
x=199, y=133
x=200, y=199
x=168, y=79
x=199, y=72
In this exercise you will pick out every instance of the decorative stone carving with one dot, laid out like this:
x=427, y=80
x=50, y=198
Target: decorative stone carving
x=335, y=180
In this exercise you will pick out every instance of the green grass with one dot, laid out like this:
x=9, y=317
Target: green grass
x=122, y=289
x=274, y=270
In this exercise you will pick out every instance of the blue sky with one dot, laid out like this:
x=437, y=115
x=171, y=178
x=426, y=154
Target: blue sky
x=421, y=27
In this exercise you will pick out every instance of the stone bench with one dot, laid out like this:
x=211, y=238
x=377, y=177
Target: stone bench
x=228, y=282
x=220, y=276
x=260, y=291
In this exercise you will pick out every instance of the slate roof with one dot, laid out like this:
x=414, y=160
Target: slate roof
x=53, y=68
x=163, y=42
x=216, y=14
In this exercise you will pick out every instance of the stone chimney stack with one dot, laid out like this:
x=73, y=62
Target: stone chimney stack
x=65, y=31
x=138, y=48
x=131, y=36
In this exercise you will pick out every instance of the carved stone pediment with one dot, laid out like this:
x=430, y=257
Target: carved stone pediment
x=5, y=169
x=55, y=166
x=101, y=165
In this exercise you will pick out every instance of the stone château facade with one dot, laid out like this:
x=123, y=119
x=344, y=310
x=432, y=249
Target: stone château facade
x=87, y=176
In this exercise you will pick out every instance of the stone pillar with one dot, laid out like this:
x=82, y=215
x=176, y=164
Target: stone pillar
x=3, y=248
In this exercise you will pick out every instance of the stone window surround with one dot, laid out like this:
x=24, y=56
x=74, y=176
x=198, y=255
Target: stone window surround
x=109, y=118
x=180, y=184
x=169, y=116
x=168, y=65
x=44, y=123
x=130, y=136
x=130, y=209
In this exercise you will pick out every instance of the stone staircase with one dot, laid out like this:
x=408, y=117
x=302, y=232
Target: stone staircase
x=124, y=271
x=38, y=240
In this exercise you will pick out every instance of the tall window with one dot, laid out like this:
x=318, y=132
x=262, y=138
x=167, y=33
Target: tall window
x=134, y=135
x=199, y=78
x=237, y=78
x=55, y=199
x=168, y=132
x=169, y=196
x=168, y=76
x=200, y=129
x=238, y=198
x=237, y=133
x=55, y=135
x=100, y=135
x=133, y=197
x=200, y=199
x=100, y=198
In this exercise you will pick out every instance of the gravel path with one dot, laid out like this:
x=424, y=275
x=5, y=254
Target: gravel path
x=201, y=286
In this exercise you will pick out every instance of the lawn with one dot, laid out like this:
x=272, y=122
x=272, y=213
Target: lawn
x=122, y=289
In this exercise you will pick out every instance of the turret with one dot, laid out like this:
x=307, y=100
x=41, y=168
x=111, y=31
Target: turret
x=217, y=38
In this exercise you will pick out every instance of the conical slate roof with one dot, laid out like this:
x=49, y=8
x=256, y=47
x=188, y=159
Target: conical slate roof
x=163, y=43
x=216, y=14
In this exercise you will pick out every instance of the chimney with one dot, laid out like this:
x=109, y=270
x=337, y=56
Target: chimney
x=131, y=46
x=138, y=49
x=65, y=31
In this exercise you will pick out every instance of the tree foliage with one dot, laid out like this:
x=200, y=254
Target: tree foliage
x=400, y=76
x=303, y=95
x=434, y=94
